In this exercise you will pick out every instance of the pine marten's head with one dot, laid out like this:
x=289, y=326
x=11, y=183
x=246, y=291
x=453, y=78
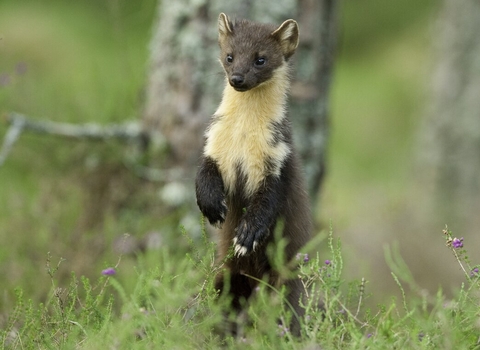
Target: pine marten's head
x=251, y=52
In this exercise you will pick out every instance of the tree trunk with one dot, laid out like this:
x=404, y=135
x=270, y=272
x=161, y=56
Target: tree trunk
x=310, y=89
x=186, y=78
x=450, y=155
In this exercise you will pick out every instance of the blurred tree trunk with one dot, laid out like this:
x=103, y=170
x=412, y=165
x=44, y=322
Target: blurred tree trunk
x=450, y=152
x=186, y=79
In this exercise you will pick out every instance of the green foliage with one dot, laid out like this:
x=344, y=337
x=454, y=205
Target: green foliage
x=174, y=305
x=65, y=320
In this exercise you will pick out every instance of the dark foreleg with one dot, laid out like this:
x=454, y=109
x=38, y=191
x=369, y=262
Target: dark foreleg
x=259, y=217
x=210, y=192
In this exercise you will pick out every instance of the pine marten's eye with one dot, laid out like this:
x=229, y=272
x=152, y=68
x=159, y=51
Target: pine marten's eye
x=260, y=61
x=229, y=59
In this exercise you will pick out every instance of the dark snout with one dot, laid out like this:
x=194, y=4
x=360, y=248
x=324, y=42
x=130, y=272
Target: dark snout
x=237, y=81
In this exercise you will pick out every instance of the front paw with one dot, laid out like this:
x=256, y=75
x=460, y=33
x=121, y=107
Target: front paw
x=248, y=237
x=215, y=211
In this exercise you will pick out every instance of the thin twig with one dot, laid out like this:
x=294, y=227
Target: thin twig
x=460, y=262
x=360, y=299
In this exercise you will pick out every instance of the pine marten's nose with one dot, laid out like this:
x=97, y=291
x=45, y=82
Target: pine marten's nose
x=237, y=80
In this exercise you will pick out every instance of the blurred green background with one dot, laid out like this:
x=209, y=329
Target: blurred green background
x=86, y=61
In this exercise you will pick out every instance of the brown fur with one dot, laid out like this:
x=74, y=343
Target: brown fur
x=250, y=175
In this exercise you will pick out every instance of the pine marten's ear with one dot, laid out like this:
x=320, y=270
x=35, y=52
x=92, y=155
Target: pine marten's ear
x=224, y=25
x=287, y=36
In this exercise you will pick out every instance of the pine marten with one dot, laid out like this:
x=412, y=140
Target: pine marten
x=250, y=176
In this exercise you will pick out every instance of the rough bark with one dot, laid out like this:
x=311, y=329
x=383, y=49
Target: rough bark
x=450, y=154
x=186, y=79
x=309, y=106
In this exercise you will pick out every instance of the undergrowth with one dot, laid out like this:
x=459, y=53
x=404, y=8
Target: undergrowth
x=173, y=305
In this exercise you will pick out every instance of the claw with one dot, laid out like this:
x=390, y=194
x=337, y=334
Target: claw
x=240, y=251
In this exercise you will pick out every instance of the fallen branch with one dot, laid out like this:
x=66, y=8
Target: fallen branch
x=130, y=131
x=126, y=131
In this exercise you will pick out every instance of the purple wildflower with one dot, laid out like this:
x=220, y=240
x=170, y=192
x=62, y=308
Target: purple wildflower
x=369, y=335
x=282, y=331
x=302, y=256
x=327, y=262
x=474, y=272
x=109, y=272
x=457, y=243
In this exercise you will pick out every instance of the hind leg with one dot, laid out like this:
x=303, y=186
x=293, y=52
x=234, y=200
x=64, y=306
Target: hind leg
x=239, y=289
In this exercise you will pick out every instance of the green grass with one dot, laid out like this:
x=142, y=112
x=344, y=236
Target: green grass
x=173, y=305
